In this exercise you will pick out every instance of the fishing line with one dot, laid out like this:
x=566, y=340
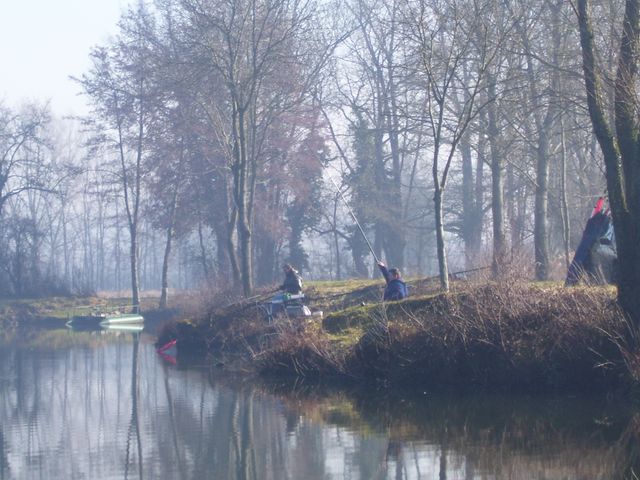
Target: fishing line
x=354, y=219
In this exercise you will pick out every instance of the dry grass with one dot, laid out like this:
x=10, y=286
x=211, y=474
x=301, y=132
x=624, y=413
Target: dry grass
x=516, y=336
x=511, y=335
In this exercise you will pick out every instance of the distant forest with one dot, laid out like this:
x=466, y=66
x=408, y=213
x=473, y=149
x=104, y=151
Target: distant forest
x=226, y=138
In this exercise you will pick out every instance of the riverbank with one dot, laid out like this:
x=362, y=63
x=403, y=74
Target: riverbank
x=530, y=337
x=56, y=311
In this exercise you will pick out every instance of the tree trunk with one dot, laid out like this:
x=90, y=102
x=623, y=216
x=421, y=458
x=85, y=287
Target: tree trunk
x=564, y=209
x=471, y=202
x=241, y=194
x=359, y=251
x=116, y=248
x=167, y=254
x=395, y=240
x=266, y=256
x=541, y=215
x=497, y=185
x=231, y=247
x=443, y=268
x=336, y=239
x=625, y=199
x=133, y=257
x=66, y=252
x=204, y=258
x=224, y=217
x=620, y=149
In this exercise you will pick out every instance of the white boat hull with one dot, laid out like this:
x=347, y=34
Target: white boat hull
x=125, y=318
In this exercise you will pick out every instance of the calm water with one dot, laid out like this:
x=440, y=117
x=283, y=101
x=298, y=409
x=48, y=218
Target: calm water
x=105, y=405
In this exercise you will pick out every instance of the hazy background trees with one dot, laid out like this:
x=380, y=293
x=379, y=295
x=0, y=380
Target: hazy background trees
x=205, y=161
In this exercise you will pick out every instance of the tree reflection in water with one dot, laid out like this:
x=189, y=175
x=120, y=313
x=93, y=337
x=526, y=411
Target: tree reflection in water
x=114, y=409
x=134, y=424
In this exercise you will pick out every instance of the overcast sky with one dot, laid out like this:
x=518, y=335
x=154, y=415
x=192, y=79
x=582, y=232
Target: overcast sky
x=43, y=42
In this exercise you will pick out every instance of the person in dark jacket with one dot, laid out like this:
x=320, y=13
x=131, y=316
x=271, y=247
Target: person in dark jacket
x=292, y=282
x=292, y=285
x=396, y=289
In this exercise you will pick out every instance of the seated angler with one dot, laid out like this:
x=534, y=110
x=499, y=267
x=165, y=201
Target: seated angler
x=292, y=281
x=292, y=285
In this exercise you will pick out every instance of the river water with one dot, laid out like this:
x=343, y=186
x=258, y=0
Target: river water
x=103, y=405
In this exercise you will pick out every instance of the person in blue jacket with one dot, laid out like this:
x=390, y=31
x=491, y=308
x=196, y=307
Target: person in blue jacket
x=396, y=289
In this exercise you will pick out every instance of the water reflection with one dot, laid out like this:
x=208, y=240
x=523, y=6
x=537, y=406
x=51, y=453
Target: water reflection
x=483, y=436
x=115, y=409
x=134, y=424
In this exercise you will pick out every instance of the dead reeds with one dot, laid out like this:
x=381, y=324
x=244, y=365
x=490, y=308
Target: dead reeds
x=516, y=335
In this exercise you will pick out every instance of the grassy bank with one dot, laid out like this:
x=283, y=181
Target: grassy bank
x=523, y=336
x=40, y=323
x=54, y=312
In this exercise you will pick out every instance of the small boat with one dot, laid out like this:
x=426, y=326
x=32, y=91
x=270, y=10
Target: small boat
x=100, y=327
x=83, y=326
x=121, y=318
x=97, y=318
x=123, y=327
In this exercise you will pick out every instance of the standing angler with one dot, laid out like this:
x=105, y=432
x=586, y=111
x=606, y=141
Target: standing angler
x=396, y=289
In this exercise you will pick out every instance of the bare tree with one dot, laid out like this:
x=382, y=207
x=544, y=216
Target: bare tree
x=120, y=90
x=21, y=133
x=26, y=177
x=263, y=57
x=445, y=38
x=377, y=46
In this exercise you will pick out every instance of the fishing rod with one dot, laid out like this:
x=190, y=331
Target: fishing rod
x=408, y=281
x=248, y=301
x=355, y=219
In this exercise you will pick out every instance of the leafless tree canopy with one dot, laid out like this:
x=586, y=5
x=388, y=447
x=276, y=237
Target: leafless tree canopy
x=227, y=138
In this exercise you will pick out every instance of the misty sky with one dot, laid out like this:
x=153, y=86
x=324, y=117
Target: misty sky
x=43, y=42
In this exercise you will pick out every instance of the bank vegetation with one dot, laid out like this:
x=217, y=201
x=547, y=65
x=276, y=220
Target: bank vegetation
x=520, y=335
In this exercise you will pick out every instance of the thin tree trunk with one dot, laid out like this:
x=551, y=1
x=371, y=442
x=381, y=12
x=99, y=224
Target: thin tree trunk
x=471, y=201
x=497, y=185
x=541, y=215
x=167, y=253
x=443, y=268
x=204, y=262
x=133, y=257
x=336, y=238
x=66, y=251
x=244, y=228
x=566, y=226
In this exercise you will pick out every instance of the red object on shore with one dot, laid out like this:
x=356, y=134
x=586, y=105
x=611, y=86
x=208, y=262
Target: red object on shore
x=169, y=351
x=598, y=206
